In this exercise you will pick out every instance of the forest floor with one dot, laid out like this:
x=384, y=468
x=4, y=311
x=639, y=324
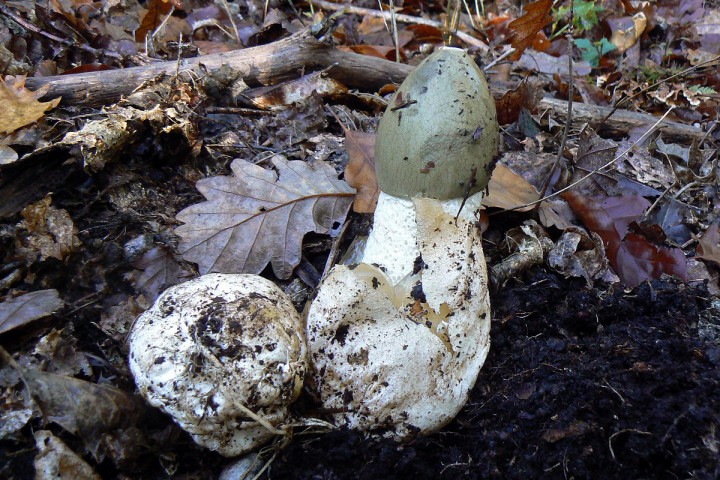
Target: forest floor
x=605, y=351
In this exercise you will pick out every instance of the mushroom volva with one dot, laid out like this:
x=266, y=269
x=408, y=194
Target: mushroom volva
x=223, y=355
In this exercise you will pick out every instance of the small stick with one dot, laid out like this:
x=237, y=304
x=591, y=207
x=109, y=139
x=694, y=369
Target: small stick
x=466, y=190
x=568, y=120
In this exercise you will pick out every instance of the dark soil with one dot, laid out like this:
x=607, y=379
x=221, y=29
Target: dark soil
x=579, y=383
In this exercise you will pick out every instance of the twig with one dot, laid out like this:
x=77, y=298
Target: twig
x=601, y=167
x=627, y=430
x=568, y=120
x=502, y=57
x=392, y=29
x=400, y=17
x=232, y=22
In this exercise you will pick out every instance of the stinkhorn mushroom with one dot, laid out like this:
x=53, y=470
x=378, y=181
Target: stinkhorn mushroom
x=397, y=341
x=223, y=355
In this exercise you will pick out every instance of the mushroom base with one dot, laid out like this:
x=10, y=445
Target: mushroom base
x=223, y=355
x=402, y=356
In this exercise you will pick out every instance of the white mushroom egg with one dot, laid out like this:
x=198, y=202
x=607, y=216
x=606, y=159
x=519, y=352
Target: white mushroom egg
x=224, y=356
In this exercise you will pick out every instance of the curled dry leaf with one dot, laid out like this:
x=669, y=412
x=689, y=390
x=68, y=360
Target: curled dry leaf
x=258, y=216
x=626, y=30
x=82, y=408
x=526, y=27
x=20, y=105
x=360, y=170
x=577, y=254
x=22, y=310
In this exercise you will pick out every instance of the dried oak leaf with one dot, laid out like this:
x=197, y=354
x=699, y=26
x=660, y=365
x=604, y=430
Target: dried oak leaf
x=526, y=27
x=632, y=256
x=709, y=245
x=360, y=170
x=22, y=310
x=20, y=105
x=258, y=216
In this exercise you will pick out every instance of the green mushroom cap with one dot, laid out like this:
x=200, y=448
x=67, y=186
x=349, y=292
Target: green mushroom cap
x=439, y=133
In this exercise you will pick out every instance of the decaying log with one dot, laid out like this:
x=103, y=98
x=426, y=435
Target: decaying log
x=302, y=53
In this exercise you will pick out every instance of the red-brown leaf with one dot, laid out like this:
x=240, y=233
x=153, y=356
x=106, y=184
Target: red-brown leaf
x=157, y=9
x=632, y=256
x=526, y=27
x=360, y=170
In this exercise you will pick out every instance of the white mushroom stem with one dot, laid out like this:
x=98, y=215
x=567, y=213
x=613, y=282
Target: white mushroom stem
x=399, y=350
x=393, y=244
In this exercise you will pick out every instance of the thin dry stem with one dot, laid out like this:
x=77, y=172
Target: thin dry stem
x=232, y=22
x=568, y=120
x=402, y=18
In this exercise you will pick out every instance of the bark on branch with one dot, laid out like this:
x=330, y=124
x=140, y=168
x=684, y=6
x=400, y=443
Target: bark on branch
x=302, y=53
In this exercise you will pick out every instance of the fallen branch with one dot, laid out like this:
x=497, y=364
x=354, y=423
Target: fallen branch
x=290, y=57
x=267, y=64
x=621, y=122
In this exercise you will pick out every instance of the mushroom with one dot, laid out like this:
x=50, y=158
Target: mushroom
x=396, y=342
x=224, y=356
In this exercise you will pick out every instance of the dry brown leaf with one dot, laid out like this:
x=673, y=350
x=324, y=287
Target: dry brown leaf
x=258, y=216
x=22, y=310
x=82, y=408
x=526, y=27
x=556, y=213
x=157, y=9
x=507, y=189
x=20, y=105
x=360, y=170
x=709, y=245
x=51, y=231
